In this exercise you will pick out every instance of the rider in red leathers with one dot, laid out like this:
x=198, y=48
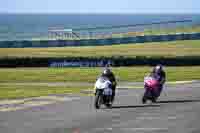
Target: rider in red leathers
x=159, y=73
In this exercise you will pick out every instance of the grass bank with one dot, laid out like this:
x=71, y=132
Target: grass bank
x=165, y=31
x=131, y=74
x=44, y=75
x=12, y=91
x=164, y=49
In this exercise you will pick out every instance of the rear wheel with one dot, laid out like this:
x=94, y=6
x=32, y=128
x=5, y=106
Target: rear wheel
x=97, y=102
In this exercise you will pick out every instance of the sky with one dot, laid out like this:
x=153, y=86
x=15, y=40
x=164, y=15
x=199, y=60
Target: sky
x=100, y=6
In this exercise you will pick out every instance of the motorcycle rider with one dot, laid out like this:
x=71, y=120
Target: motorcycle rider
x=107, y=72
x=159, y=73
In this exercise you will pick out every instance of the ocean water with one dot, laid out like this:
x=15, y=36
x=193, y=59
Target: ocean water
x=27, y=26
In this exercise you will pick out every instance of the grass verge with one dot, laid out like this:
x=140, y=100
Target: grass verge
x=24, y=91
x=181, y=29
x=165, y=49
x=131, y=74
x=74, y=75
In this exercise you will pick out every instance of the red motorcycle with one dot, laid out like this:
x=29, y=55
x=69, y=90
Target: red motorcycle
x=151, y=86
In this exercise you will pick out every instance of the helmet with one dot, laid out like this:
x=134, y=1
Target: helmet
x=106, y=71
x=158, y=68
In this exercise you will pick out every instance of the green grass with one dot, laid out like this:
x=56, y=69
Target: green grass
x=161, y=31
x=23, y=91
x=27, y=75
x=167, y=49
x=191, y=29
x=8, y=78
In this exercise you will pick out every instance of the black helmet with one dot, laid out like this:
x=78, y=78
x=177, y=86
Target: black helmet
x=107, y=71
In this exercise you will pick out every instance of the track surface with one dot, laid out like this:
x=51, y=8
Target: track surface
x=177, y=111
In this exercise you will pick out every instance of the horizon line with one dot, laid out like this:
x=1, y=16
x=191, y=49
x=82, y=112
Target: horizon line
x=134, y=13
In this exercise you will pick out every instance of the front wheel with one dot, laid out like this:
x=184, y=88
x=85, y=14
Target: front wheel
x=145, y=96
x=144, y=99
x=109, y=105
x=97, y=102
x=153, y=99
x=109, y=102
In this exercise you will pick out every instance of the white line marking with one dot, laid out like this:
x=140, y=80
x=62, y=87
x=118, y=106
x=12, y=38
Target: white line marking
x=145, y=129
x=133, y=129
x=156, y=118
x=108, y=128
x=181, y=82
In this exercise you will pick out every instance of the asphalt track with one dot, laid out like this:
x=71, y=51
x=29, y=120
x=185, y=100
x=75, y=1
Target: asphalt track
x=177, y=111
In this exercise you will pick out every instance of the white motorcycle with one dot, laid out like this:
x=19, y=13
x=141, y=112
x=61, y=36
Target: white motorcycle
x=103, y=93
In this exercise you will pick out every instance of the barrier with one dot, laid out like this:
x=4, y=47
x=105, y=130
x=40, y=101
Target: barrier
x=99, y=61
x=97, y=42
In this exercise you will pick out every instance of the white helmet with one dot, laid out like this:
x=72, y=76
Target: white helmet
x=158, y=68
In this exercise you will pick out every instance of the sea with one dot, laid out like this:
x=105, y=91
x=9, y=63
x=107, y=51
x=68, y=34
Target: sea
x=28, y=26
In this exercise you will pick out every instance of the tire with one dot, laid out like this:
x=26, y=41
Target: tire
x=144, y=99
x=97, y=101
x=153, y=100
x=108, y=102
x=109, y=105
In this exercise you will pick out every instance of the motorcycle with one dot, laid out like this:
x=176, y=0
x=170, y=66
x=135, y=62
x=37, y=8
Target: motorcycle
x=151, y=86
x=103, y=93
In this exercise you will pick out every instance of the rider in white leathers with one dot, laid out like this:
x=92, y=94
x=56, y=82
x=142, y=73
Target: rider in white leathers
x=110, y=75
